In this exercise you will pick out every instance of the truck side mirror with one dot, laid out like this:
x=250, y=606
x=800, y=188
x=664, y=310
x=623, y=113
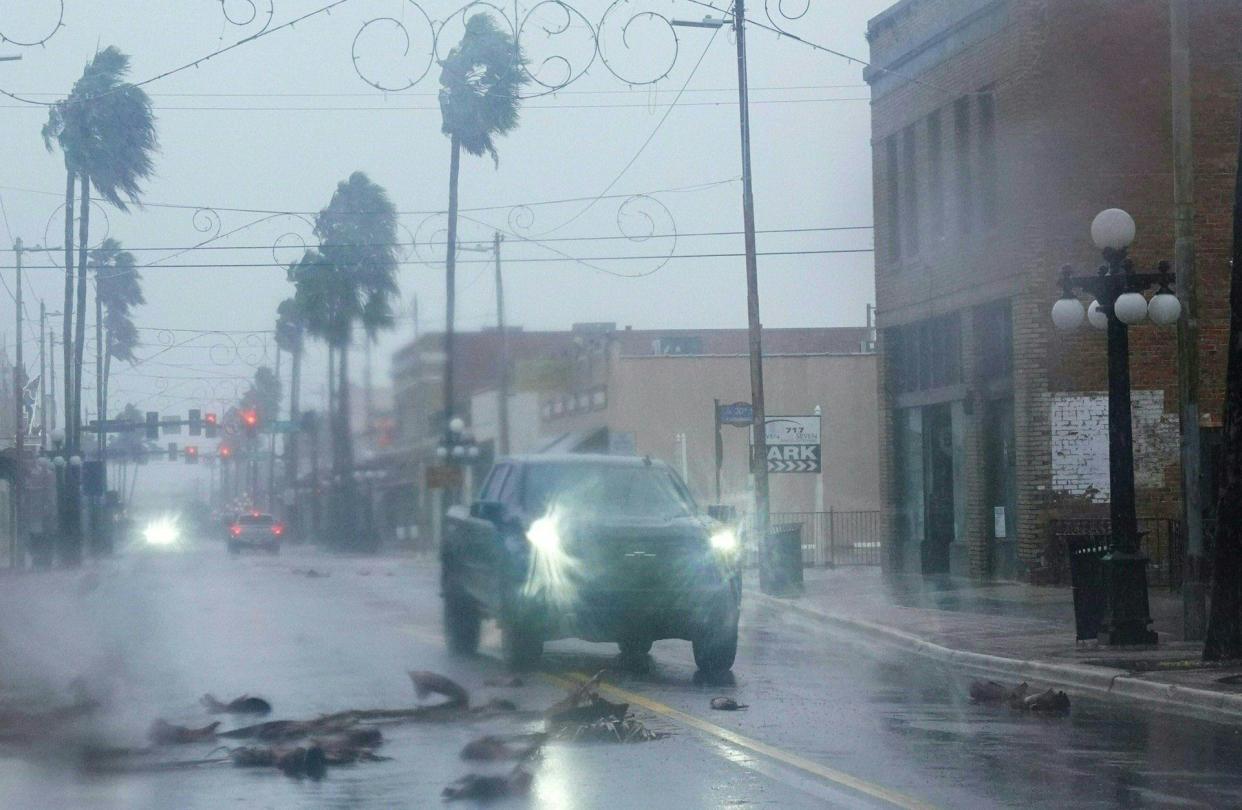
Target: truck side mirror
x=491, y=511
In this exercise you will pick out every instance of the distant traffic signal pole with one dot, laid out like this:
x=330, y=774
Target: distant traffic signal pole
x=759, y=460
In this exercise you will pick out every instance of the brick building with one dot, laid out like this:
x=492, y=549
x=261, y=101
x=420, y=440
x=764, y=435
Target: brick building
x=1000, y=128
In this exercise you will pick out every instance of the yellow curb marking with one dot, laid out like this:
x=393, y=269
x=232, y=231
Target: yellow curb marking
x=741, y=741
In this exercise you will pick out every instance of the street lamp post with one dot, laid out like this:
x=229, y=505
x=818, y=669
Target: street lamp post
x=1119, y=304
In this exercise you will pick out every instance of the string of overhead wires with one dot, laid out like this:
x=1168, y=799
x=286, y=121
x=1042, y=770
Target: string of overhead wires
x=645, y=257
x=751, y=22
x=651, y=106
x=596, y=238
x=327, y=9
x=475, y=209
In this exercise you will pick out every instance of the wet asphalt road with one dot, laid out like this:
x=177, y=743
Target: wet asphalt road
x=832, y=722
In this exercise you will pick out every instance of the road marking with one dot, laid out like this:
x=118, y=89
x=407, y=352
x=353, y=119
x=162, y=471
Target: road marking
x=741, y=741
x=734, y=739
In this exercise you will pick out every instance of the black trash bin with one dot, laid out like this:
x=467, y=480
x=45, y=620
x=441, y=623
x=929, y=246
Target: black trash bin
x=1086, y=556
x=780, y=561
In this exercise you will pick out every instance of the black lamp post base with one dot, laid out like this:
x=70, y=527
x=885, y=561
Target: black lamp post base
x=1128, y=616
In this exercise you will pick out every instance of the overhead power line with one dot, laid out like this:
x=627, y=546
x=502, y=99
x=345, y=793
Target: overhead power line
x=614, y=238
x=435, y=108
x=658, y=257
x=431, y=212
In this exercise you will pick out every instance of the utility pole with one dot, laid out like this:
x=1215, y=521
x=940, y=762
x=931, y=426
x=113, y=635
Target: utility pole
x=101, y=407
x=1193, y=587
x=759, y=461
x=754, y=324
x=271, y=459
x=42, y=376
x=19, y=392
x=1194, y=590
x=502, y=405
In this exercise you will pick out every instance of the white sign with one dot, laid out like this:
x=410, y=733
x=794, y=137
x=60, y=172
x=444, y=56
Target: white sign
x=998, y=522
x=791, y=429
x=793, y=444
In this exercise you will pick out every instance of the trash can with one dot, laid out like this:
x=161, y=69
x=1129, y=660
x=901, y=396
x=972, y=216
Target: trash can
x=780, y=561
x=1087, y=579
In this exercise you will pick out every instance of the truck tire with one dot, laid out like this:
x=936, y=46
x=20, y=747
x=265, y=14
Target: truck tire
x=461, y=623
x=715, y=645
x=521, y=642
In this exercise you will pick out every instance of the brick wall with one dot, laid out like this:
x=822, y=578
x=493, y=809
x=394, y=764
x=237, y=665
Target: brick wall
x=1082, y=116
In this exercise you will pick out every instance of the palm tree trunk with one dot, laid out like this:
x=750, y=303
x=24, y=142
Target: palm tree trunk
x=291, y=440
x=67, y=326
x=346, y=532
x=1224, y=631
x=107, y=377
x=79, y=338
x=450, y=283
x=101, y=435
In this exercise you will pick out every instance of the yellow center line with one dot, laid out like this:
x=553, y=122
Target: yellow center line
x=741, y=741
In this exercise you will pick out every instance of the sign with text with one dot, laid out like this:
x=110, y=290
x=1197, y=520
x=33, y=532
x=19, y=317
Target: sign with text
x=739, y=414
x=793, y=444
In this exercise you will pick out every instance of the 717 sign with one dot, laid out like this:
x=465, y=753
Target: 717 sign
x=793, y=444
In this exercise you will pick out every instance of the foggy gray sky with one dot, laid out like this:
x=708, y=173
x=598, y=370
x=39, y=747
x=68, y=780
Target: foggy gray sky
x=270, y=125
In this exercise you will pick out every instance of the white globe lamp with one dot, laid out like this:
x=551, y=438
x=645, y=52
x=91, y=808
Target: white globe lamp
x=1067, y=314
x=1164, y=309
x=1112, y=228
x=1130, y=308
x=1096, y=316
x=456, y=424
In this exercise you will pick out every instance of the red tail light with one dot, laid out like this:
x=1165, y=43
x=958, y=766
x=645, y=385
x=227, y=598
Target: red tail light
x=278, y=529
x=235, y=530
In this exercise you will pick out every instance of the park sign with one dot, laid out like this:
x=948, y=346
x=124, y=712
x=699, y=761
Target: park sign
x=793, y=444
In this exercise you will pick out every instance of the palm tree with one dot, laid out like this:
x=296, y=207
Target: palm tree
x=480, y=86
x=290, y=337
x=118, y=289
x=351, y=281
x=106, y=131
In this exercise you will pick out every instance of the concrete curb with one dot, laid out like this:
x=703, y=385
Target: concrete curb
x=1075, y=678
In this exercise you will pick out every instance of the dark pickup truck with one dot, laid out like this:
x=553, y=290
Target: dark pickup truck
x=602, y=548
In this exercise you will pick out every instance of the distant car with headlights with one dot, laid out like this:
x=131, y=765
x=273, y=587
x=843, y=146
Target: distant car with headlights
x=255, y=530
x=603, y=548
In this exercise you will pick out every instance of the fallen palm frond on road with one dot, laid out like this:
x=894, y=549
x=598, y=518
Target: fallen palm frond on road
x=1019, y=697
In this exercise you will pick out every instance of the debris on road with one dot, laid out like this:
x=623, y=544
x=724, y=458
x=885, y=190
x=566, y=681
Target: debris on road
x=242, y=705
x=17, y=725
x=311, y=573
x=164, y=733
x=516, y=783
x=429, y=683
x=727, y=704
x=1048, y=702
x=585, y=716
x=513, y=746
x=990, y=692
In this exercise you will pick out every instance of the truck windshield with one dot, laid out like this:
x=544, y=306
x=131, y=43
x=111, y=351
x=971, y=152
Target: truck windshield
x=606, y=490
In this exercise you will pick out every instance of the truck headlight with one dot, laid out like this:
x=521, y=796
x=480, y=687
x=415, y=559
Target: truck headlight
x=725, y=540
x=544, y=535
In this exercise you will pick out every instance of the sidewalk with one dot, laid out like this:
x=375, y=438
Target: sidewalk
x=1015, y=632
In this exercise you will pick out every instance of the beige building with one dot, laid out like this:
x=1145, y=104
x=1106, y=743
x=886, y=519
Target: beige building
x=662, y=405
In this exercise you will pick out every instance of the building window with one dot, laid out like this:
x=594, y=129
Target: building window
x=894, y=199
x=909, y=175
x=994, y=340
x=935, y=175
x=962, y=168
x=681, y=344
x=924, y=355
x=987, y=157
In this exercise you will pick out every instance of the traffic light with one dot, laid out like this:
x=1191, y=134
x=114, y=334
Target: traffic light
x=196, y=422
x=172, y=451
x=153, y=425
x=191, y=454
x=250, y=419
x=226, y=452
x=210, y=425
